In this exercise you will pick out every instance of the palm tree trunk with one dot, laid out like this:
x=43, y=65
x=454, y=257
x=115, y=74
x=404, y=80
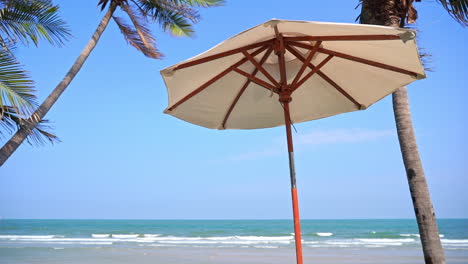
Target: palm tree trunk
x=389, y=13
x=7, y=150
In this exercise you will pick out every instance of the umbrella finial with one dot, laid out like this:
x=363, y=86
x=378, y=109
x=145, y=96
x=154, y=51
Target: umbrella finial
x=272, y=23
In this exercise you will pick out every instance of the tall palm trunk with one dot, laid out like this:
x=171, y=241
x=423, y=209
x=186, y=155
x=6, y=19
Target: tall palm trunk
x=389, y=13
x=29, y=124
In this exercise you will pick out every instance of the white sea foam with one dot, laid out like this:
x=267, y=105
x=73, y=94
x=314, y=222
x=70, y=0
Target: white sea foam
x=235, y=240
x=385, y=240
x=263, y=238
x=454, y=241
x=324, y=234
x=357, y=243
x=416, y=235
x=26, y=237
x=125, y=236
x=328, y=240
x=69, y=243
x=100, y=235
x=409, y=235
x=343, y=242
x=151, y=235
x=67, y=239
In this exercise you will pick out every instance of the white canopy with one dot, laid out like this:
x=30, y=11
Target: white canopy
x=345, y=67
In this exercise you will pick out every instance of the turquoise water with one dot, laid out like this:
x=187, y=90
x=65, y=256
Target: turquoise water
x=224, y=233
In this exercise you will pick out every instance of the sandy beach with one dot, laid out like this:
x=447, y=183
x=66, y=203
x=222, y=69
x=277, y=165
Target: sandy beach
x=180, y=255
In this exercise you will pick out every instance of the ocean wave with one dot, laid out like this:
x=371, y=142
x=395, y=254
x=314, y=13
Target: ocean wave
x=100, y=235
x=107, y=239
x=225, y=240
x=324, y=240
x=324, y=234
x=385, y=240
x=125, y=235
x=27, y=237
x=454, y=241
x=151, y=235
x=79, y=243
x=417, y=235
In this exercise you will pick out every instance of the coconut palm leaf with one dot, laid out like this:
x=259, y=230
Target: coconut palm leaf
x=458, y=9
x=170, y=15
x=16, y=87
x=30, y=20
x=10, y=122
x=138, y=35
x=199, y=3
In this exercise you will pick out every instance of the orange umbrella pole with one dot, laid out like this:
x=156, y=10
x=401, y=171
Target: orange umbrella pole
x=297, y=223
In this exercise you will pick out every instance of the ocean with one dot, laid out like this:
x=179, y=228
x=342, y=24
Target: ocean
x=197, y=241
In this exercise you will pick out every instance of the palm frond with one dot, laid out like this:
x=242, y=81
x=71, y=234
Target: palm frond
x=41, y=134
x=16, y=87
x=31, y=20
x=200, y=3
x=139, y=37
x=458, y=9
x=10, y=122
x=171, y=16
x=103, y=3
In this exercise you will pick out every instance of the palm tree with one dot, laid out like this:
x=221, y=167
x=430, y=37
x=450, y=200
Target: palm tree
x=175, y=16
x=397, y=13
x=23, y=21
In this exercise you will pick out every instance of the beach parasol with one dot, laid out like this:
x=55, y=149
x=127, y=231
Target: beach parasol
x=283, y=72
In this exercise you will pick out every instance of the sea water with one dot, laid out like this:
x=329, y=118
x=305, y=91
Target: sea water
x=28, y=237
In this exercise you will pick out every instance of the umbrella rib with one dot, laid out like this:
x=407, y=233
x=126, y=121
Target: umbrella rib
x=246, y=84
x=305, y=63
x=281, y=59
x=356, y=59
x=343, y=38
x=325, y=77
x=215, y=78
x=223, y=54
x=260, y=67
x=256, y=80
x=312, y=72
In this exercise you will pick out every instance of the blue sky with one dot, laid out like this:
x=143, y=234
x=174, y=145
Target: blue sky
x=120, y=157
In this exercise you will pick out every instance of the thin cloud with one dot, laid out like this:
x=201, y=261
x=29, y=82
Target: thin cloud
x=336, y=136
x=320, y=137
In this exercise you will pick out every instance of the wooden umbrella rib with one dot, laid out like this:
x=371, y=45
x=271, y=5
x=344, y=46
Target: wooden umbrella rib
x=260, y=68
x=356, y=59
x=215, y=78
x=305, y=63
x=340, y=89
x=312, y=72
x=223, y=54
x=244, y=87
x=343, y=38
x=281, y=59
x=255, y=79
x=325, y=77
